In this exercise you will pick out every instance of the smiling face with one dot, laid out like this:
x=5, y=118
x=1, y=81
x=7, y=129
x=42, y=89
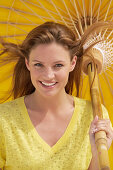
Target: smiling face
x=49, y=66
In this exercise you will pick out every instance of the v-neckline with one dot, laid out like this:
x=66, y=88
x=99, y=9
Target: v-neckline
x=62, y=139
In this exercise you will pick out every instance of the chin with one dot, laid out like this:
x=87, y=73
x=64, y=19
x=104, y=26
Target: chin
x=50, y=94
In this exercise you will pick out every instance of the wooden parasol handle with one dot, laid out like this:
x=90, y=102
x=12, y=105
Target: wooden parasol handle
x=100, y=137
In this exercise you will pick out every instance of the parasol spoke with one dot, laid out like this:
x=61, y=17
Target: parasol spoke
x=102, y=14
x=16, y=35
x=58, y=9
x=35, y=14
x=80, y=9
x=110, y=34
x=90, y=9
x=107, y=10
x=69, y=14
x=98, y=11
x=109, y=85
x=84, y=11
x=78, y=20
x=16, y=23
x=49, y=11
x=93, y=7
x=9, y=16
x=13, y=25
x=44, y=8
x=70, y=11
x=19, y=12
x=62, y=18
x=111, y=77
x=107, y=15
x=16, y=10
x=110, y=70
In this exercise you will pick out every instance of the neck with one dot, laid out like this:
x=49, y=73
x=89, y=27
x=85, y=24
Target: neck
x=51, y=104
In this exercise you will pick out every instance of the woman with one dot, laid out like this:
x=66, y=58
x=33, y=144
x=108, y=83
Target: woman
x=46, y=128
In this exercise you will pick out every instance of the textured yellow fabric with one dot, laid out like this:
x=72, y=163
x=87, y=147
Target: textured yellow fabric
x=21, y=147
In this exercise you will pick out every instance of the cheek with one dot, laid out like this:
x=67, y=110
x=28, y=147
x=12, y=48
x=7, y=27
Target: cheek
x=63, y=75
x=34, y=74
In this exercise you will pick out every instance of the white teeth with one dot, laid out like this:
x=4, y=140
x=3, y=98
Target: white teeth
x=48, y=84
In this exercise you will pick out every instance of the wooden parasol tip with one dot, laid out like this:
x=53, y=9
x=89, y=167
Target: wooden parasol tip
x=93, y=55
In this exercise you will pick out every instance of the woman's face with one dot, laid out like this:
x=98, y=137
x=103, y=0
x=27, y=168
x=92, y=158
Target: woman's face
x=49, y=66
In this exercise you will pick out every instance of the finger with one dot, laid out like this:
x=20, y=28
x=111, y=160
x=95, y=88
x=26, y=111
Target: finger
x=103, y=123
x=104, y=120
x=95, y=120
x=108, y=130
x=100, y=126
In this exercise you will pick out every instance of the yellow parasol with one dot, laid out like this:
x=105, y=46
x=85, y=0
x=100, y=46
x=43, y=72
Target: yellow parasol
x=18, y=17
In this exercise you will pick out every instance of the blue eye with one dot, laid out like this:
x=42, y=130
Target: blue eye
x=59, y=65
x=38, y=64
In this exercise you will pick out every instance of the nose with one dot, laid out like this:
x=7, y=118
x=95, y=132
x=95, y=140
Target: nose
x=49, y=74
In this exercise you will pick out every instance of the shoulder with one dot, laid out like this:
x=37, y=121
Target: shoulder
x=83, y=103
x=8, y=108
x=11, y=104
x=86, y=104
x=86, y=108
x=83, y=109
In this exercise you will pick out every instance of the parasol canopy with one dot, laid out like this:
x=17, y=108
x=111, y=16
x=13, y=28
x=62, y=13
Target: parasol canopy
x=18, y=17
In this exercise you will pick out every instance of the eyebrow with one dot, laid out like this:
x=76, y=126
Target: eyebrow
x=42, y=62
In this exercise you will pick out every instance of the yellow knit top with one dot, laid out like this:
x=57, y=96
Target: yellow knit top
x=21, y=147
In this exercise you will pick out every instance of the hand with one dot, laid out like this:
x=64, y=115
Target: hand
x=97, y=125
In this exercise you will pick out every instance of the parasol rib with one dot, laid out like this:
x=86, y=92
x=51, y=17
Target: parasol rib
x=108, y=83
x=9, y=16
x=98, y=10
x=15, y=23
x=71, y=17
x=84, y=10
x=17, y=10
x=17, y=35
x=59, y=13
x=110, y=75
x=58, y=8
x=91, y=14
x=80, y=9
x=32, y=10
x=106, y=15
x=107, y=10
x=94, y=7
x=47, y=11
x=78, y=17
